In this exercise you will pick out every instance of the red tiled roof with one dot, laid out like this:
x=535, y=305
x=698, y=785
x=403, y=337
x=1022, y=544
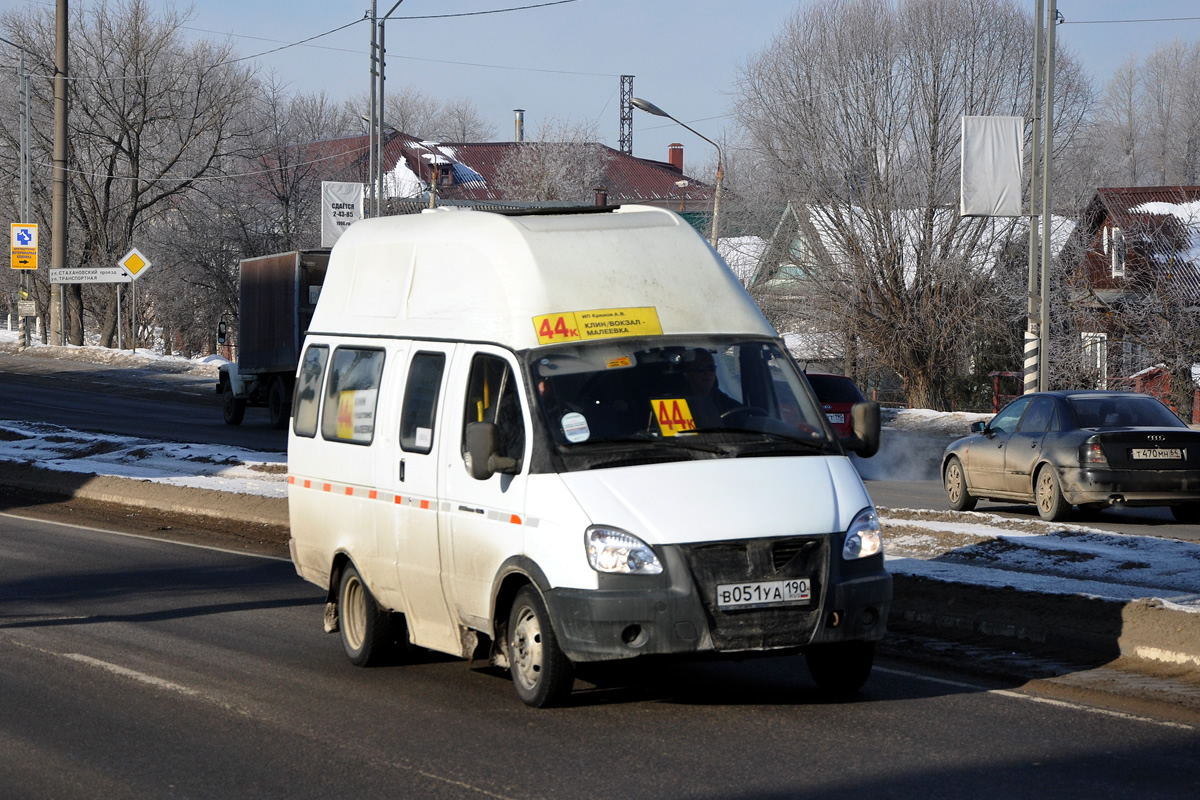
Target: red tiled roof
x=626, y=178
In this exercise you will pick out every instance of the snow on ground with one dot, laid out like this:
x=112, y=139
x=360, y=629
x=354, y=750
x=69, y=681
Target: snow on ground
x=976, y=548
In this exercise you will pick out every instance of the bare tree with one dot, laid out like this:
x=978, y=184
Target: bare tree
x=409, y=110
x=856, y=107
x=562, y=163
x=1148, y=128
x=151, y=115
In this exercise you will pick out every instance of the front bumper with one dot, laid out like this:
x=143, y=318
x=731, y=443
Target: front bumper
x=676, y=613
x=1142, y=487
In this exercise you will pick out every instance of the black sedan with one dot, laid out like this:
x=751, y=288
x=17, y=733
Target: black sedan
x=1086, y=448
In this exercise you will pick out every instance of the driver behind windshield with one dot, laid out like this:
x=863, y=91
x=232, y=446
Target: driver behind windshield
x=706, y=400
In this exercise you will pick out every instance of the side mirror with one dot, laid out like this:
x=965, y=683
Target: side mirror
x=978, y=426
x=864, y=421
x=482, y=460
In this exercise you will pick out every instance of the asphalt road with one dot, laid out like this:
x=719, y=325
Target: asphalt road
x=1155, y=521
x=126, y=402
x=138, y=668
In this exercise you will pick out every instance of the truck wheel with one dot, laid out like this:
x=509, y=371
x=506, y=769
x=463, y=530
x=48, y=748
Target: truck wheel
x=541, y=672
x=368, y=633
x=841, y=668
x=278, y=404
x=233, y=408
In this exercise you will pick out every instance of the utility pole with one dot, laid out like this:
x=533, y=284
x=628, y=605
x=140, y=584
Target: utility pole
x=372, y=209
x=58, y=207
x=1032, y=313
x=1047, y=206
x=1037, y=325
x=377, y=173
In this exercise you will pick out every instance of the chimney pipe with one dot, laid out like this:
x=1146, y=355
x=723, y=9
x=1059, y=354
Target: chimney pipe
x=519, y=124
x=601, y=196
x=675, y=155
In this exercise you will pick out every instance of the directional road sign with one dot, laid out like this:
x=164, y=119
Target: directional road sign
x=24, y=245
x=90, y=275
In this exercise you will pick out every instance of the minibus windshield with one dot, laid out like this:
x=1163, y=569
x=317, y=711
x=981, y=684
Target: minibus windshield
x=683, y=390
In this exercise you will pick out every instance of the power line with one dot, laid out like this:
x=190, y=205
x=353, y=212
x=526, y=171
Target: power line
x=1122, y=21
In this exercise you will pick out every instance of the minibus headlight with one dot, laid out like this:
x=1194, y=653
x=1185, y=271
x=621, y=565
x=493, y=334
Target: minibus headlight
x=614, y=550
x=863, y=537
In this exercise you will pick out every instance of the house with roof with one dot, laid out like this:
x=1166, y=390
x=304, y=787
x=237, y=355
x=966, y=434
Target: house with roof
x=1140, y=263
x=518, y=173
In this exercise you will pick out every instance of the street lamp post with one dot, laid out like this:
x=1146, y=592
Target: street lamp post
x=650, y=108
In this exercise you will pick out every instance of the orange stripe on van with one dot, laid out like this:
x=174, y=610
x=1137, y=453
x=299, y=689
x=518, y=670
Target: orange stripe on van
x=327, y=487
x=291, y=478
x=349, y=491
x=424, y=504
x=307, y=484
x=398, y=500
x=371, y=495
x=515, y=520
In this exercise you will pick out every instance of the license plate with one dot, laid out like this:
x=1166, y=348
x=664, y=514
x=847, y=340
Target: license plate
x=764, y=593
x=1157, y=453
x=837, y=419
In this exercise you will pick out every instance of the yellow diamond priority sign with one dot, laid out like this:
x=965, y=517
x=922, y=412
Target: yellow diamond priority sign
x=134, y=263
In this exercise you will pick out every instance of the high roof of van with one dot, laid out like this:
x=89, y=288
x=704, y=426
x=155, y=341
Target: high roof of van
x=529, y=279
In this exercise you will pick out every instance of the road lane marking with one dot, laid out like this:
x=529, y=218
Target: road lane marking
x=1107, y=712
x=126, y=672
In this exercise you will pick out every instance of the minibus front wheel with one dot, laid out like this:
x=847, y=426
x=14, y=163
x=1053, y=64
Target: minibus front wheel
x=541, y=672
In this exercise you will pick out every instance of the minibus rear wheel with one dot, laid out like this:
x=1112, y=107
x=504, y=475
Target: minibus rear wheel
x=366, y=630
x=541, y=672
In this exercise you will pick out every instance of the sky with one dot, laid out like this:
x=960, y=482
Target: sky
x=563, y=62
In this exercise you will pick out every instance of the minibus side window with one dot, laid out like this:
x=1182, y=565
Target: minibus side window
x=492, y=397
x=308, y=390
x=420, y=401
x=351, y=395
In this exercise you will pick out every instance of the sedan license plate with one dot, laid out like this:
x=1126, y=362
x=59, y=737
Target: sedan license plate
x=837, y=419
x=764, y=593
x=1156, y=453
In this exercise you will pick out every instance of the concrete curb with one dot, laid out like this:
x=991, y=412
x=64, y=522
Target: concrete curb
x=245, y=508
x=1144, y=629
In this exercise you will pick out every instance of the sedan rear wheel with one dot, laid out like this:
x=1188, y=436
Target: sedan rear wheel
x=955, y=484
x=1051, y=504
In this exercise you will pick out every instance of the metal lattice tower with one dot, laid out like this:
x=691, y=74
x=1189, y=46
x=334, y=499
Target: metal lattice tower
x=626, y=144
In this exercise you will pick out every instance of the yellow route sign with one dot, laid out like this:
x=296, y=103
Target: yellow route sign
x=24, y=245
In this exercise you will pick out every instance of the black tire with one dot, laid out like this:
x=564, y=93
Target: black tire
x=954, y=481
x=369, y=634
x=1048, y=496
x=841, y=668
x=278, y=404
x=233, y=408
x=541, y=672
x=1186, y=513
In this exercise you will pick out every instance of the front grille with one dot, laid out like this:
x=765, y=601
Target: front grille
x=754, y=560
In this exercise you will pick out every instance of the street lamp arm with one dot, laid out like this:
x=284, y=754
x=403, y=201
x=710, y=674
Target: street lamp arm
x=27, y=50
x=650, y=108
